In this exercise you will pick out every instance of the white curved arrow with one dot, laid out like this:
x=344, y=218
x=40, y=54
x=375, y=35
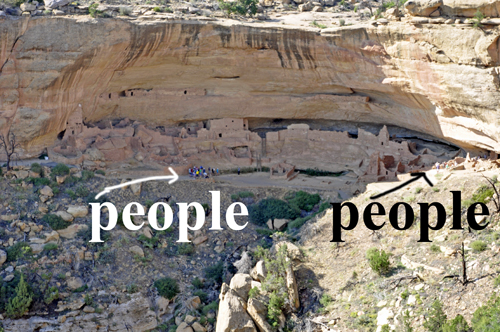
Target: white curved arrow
x=172, y=179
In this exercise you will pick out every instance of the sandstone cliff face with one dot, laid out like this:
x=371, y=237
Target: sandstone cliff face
x=438, y=79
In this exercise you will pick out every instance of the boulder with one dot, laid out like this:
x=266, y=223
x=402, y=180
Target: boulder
x=162, y=305
x=71, y=231
x=184, y=327
x=193, y=302
x=57, y=12
x=136, y=188
x=232, y=316
x=36, y=248
x=55, y=3
x=422, y=7
x=64, y=215
x=383, y=316
x=61, y=178
x=21, y=174
x=258, y=311
x=277, y=224
x=74, y=283
x=241, y=284
x=200, y=239
x=78, y=211
x=259, y=272
x=3, y=257
x=46, y=191
x=51, y=237
x=305, y=7
x=244, y=264
x=136, y=251
x=27, y=7
x=197, y=327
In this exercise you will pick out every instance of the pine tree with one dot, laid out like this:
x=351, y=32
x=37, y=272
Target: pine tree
x=19, y=304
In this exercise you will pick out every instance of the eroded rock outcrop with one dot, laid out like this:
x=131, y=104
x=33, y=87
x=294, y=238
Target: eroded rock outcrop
x=192, y=70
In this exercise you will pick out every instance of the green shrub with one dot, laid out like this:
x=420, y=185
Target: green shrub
x=487, y=317
x=342, y=22
x=87, y=175
x=39, y=181
x=50, y=247
x=274, y=308
x=478, y=246
x=275, y=281
x=405, y=294
x=88, y=300
x=303, y=200
x=241, y=7
x=254, y=292
x=478, y=17
x=211, y=307
x=51, y=294
x=55, y=222
x=325, y=301
x=458, y=324
x=317, y=172
x=186, y=249
x=132, y=288
x=197, y=283
x=437, y=318
x=82, y=191
x=70, y=193
x=94, y=12
x=298, y=223
x=60, y=170
x=100, y=172
x=242, y=194
x=418, y=190
x=37, y=168
x=20, y=303
x=482, y=193
x=435, y=248
x=496, y=282
x=215, y=272
x=157, y=9
x=378, y=260
x=81, y=289
x=17, y=251
x=167, y=287
x=271, y=208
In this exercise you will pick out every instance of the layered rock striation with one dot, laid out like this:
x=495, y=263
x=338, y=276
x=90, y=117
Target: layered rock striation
x=438, y=79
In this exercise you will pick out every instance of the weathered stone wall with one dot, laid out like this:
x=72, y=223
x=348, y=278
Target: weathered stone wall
x=438, y=79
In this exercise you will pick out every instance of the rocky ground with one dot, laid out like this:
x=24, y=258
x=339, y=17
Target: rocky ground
x=112, y=285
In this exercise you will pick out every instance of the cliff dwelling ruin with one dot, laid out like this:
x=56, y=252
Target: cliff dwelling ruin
x=229, y=143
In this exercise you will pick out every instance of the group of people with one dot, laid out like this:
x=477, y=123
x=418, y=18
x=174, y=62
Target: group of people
x=200, y=172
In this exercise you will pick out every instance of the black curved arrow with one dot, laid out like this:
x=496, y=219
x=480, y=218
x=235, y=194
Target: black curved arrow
x=416, y=176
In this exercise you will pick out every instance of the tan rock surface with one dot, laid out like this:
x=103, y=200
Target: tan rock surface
x=119, y=68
